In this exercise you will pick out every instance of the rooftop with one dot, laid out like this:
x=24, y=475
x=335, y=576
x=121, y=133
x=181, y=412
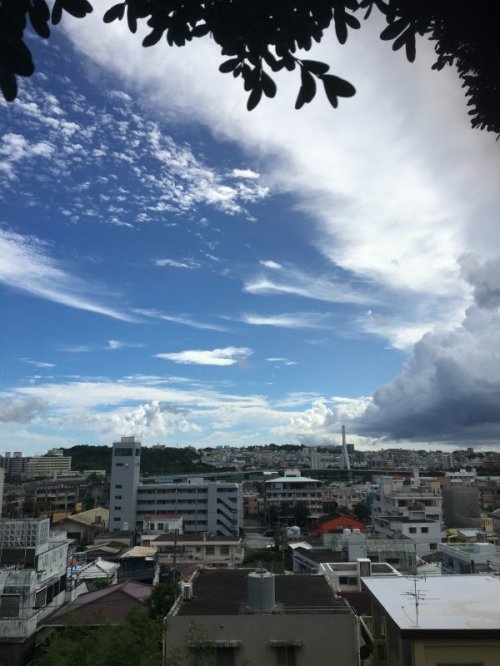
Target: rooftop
x=193, y=538
x=446, y=602
x=225, y=592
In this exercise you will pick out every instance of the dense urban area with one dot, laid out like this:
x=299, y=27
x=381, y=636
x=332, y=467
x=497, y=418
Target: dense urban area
x=258, y=555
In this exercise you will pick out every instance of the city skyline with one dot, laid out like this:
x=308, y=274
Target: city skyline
x=176, y=268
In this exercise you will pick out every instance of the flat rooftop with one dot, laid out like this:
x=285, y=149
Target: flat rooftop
x=446, y=602
x=225, y=592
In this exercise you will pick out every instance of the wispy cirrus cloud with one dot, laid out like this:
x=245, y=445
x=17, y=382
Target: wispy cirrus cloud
x=279, y=360
x=292, y=320
x=112, y=345
x=26, y=265
x=190, y=264
x=288, y=280
x=182, y=319
x=220, y=357
x=37, y=364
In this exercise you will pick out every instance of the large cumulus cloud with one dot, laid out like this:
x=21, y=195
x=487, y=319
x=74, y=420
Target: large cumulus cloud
x=449, y=389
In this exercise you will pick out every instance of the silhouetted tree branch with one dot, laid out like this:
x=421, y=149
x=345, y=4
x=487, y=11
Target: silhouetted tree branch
x=260, y=37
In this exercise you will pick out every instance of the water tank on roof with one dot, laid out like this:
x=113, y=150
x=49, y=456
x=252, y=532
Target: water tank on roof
x=261, y=596
x=187, y=591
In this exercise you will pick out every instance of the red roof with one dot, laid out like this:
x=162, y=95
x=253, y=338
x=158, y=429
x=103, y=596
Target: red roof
x=337, y=524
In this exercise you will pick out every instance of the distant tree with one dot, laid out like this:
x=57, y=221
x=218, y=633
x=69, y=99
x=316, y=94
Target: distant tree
x=301, y=514
x=262, y=36
x=362, y=511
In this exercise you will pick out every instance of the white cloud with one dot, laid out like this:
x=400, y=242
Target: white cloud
x=244, y=173
x=295, y=282
x=293, y=320
x=177, y=263
x=269, y=263
x=220, y=357
x=278, y=360
x=183, y=319
x=37, y=364
x=26, y=266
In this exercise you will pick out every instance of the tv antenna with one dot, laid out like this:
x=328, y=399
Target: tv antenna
x=419, y=596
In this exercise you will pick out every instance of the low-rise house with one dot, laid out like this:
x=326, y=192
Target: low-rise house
x=83, y=527
x=336, y=523
x=98, y=573
x=108, y=605
x=426, y=534
x=136, y=562
x=205, y=549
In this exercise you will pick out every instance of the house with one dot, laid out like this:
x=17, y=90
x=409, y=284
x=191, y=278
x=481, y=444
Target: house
x=435, y=621
x=197, y=548
x=469, y=558
x=136, y=562
x=237, y=617
x=111, y=604
x=84, y=526
x=94, y=574
x=336, y=523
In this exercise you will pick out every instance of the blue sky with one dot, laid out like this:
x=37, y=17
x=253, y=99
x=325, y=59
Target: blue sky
x=176, y=268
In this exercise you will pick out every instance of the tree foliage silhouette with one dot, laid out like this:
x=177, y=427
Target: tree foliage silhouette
x=261, y=37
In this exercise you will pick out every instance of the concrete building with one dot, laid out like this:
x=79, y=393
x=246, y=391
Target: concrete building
x=461, y=506
x=261, y=619
x=206, y=506
x=469, y=558
x=47, y=466
x=197, y=548
x=426, y=534
x=2, y=482
x=293, y=489
x=32, y=583
x=125, y=471
x=434, y=621
x=405, y=498
x=14, y=463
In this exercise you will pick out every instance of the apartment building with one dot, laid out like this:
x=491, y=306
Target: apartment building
x=33, y=565
x=292, y=488
x=197, y=548
x=205, y=506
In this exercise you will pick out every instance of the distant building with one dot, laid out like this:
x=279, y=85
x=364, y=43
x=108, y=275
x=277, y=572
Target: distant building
x=2, y=482
x=125, y=471
x=461, y=506
x=469, y=558
x=336, y=523
x=197, y=548
x=48, y=466
x=293, y=489
x=83, y=527
x=236, y=617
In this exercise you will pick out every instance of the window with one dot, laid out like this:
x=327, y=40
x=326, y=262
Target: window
x=116, y=519
x=210, y=550
x=424, y=530
x=214, y=656
x=286, y=656
x=118, y=496
x=10, y=605
x=117, y=508
x=124, y=452
x=41, y=598
x=433, y=546
x=118, y=464
x=412, y=530
x=118, y=485
x=224, y=550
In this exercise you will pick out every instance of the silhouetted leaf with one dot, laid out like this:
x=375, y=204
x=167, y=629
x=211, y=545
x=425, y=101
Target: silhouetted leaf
x=39, y=16
x=307, y=89
x=268, y=85
x=77, y=8
x=8, y=84
x=229, y=65
x=131, y=18
x=330, y=92
x=394, y=29
x=410, y=46
x=17, y=58
x=200, y=30
x=153, y=37
x=56, y=12
x=340, y=87
x=254, y=98
x=115, y=12
x=316, y=67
